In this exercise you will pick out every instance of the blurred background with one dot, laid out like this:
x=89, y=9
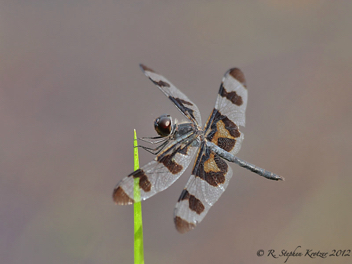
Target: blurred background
x=71, y=93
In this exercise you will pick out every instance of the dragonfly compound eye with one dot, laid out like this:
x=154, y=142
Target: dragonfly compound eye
x=163, y=125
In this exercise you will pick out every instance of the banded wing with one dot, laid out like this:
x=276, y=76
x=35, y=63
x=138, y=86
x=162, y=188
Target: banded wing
x=211, y=174
x=222, y=127
x=181, y=101
x=209, y=179
x=158, y=174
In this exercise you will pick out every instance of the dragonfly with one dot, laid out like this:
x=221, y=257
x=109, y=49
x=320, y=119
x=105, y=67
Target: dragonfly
x=178, y=142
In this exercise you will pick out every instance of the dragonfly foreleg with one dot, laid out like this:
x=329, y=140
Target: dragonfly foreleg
x=156, y=150
x=152, y=140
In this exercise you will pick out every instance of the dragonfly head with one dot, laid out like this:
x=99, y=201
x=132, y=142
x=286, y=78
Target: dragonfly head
x=163, y=125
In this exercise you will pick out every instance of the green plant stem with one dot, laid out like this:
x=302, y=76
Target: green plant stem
x=138, y=223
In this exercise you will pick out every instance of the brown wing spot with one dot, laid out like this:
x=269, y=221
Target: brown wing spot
x=160, y=83
x=145, y=68
x=222, y=165
x=221, y=130
x=214, y=178
x=224, y=133
x=214, y=170
x=210, y=164
x=227, y=129
x=194, y=204
x=180, y=103
x=170, y=163
x=221, y=124
x=211, y=168
x=144, y=182
x=120, y=197
x=182, y=225
x=226, y=144
x=238, y=75
x=228, y=126
x=183, y=101
x=232, y=96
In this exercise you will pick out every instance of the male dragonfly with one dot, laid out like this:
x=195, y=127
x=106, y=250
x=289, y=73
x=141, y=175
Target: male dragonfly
x=218, y=142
